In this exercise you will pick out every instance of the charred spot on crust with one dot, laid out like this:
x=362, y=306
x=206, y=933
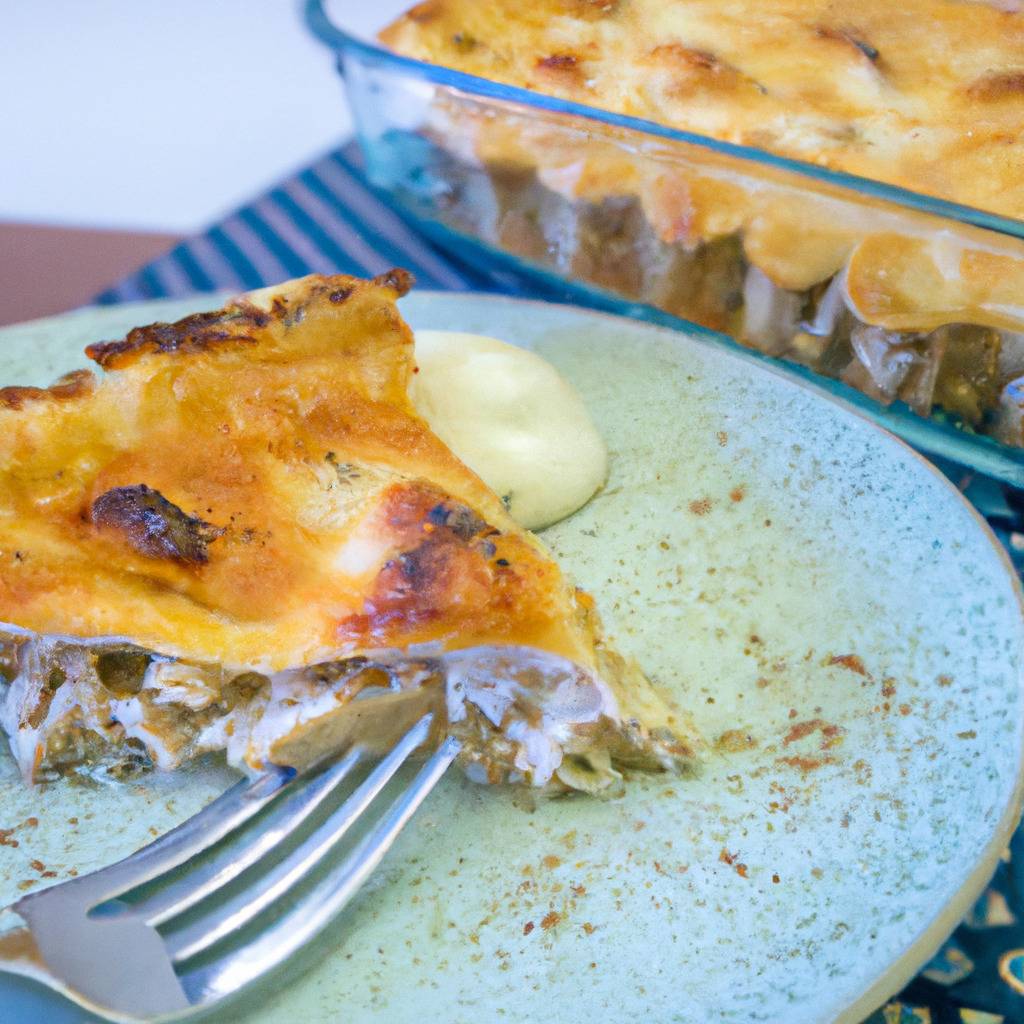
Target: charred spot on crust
x=410, y=585
x=850, y=38
x=154, y=526
x=71, y=385
x=460, y=519
x=236, y=323
x=558, y=62
x=421, y=566
x=998, y=85
x=464, y=42
x=398, y=280
x=195, y=333
x=121, y=669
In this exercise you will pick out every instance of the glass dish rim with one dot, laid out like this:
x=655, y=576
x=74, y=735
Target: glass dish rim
x=342, y=41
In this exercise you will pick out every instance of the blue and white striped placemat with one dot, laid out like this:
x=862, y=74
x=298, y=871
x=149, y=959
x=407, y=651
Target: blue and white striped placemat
x=327, y=219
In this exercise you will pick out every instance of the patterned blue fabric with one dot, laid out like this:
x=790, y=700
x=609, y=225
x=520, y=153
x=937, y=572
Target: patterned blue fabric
x=324, y=220
x=327, y=219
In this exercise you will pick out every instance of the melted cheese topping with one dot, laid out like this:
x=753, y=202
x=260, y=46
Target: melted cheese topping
x=512, y=418
x=928, y=95
x=270, y=497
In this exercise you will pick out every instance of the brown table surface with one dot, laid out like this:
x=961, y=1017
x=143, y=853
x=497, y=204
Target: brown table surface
x=48, y=269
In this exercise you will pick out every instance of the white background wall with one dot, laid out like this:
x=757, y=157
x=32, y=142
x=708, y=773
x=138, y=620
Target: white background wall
x=162, y=114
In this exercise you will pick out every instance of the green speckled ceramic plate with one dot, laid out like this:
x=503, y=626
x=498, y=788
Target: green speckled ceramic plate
x=840, y=621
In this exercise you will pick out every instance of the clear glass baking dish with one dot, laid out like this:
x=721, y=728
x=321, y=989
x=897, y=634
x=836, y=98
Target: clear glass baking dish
x=909, y=307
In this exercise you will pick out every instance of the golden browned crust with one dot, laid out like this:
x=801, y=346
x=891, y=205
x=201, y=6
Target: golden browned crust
x=927, y=94
x=252, y=487
x=239, y=324
x=71, y=385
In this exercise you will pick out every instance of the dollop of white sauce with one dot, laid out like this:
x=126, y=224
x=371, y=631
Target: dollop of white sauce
x=513, y=419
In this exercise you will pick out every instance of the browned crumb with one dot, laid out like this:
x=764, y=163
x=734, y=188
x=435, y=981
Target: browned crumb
x=802, y=729
x=850, y=661
x=732, y=859
x=733, y=741
x=805, y=764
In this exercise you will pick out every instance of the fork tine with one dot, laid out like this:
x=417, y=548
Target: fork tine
x=237, y=911
x=228, y=864
x=306, y=918
x=220, y=817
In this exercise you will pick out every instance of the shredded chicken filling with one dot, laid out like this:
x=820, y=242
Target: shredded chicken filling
x=106, y=709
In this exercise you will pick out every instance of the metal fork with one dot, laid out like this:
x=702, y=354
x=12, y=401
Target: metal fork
x=110, y=957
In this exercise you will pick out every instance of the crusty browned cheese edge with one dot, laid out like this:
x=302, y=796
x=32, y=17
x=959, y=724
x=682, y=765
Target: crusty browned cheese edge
x=71, y=385
x=194, y=333
x=233, y=323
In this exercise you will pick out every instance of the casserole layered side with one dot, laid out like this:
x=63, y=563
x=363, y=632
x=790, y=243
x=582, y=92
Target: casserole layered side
x=896, y=303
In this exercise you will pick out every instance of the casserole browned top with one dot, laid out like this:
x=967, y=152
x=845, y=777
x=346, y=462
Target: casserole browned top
x=928, y=94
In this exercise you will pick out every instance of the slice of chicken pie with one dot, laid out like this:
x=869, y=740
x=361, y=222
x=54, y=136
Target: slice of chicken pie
x=242, y=537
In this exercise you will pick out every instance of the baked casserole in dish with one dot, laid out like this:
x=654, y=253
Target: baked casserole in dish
x=836, y=186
